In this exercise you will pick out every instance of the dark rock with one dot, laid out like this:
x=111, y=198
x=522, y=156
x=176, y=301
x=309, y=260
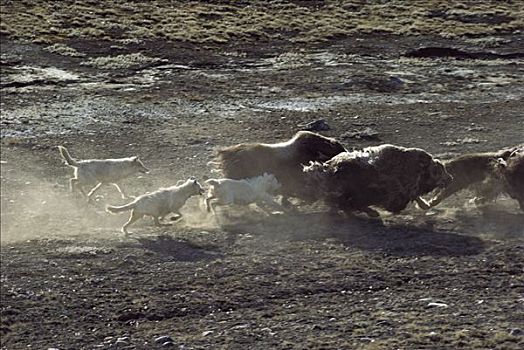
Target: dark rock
x=129, y=315
x=317, y=125
x=163, y=339
x=375, y=83
x=435, y=52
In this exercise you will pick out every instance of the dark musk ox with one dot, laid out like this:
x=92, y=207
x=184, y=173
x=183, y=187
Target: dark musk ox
x=284, y=160
x=511, y=172
x=385, y=176
x=474, y=171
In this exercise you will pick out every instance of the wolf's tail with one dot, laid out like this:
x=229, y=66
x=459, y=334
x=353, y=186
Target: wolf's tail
x=67, y=157
x=113, y=210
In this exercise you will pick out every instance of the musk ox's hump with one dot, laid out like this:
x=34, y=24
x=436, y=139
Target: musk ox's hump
x=347, y=156
x=314, y=139
x=244, y=160
x=395, y=156
x=311, y=137
x=309, y=146
x=346, y=164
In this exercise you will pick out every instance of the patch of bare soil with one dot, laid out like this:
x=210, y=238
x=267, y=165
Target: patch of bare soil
x=452, y=277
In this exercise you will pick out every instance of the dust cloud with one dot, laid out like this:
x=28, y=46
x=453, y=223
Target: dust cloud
x=36, y=207
x=33, y=208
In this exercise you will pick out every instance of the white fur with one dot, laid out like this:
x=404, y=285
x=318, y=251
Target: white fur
x=246, y=191
x=96, y=172
x=159, y=203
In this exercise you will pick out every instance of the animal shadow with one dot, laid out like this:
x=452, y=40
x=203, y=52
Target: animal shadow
x=365, y=233
x=180, y=250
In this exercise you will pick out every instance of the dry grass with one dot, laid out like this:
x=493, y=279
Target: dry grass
x=230, y=21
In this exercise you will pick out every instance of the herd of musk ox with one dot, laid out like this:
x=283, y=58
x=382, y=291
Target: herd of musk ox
x=312, y=167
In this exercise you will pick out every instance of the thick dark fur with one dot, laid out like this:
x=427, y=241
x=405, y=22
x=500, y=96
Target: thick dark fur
x=473, y=171
x=511, y=172
x=385, y=176
x=284, y=160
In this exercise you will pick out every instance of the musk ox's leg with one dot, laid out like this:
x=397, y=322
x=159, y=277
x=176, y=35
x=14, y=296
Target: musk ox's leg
x=445, y=193
x=157, y=221
x=422, y=203
x=270, y=201
x=287, y=206
x=285, y=202
x=179, y=216
x=372, y=213
x=521, y=204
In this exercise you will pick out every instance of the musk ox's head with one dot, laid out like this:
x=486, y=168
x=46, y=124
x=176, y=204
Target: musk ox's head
x=317, y=147
x=438, y=174
x=194, y=185
x=433, y=174
x=137, y=165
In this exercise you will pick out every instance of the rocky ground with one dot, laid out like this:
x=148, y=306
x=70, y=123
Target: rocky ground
x=107, y=83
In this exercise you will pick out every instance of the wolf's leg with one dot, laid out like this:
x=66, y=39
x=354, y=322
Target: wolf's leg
x=93, y=190
x=208, y=203
x=487, y=191
x=134, y=217
x=212, y=205
x=75, y=185
x=73, y=182
x=120, y=190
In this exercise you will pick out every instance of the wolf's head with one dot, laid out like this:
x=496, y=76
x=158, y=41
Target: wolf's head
x=195, y=185
x=138, y=165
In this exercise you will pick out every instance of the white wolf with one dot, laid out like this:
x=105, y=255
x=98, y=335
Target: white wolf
x=159, y=203
x=253, y=190
x=96, y=172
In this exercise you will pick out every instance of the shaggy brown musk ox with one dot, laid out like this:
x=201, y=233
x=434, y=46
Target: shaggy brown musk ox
x=385, y=176
x=475, y=171
x=511, y=172
x=284, y=160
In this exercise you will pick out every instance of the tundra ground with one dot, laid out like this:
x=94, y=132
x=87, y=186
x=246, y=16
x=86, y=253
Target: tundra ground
x=449, y=278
